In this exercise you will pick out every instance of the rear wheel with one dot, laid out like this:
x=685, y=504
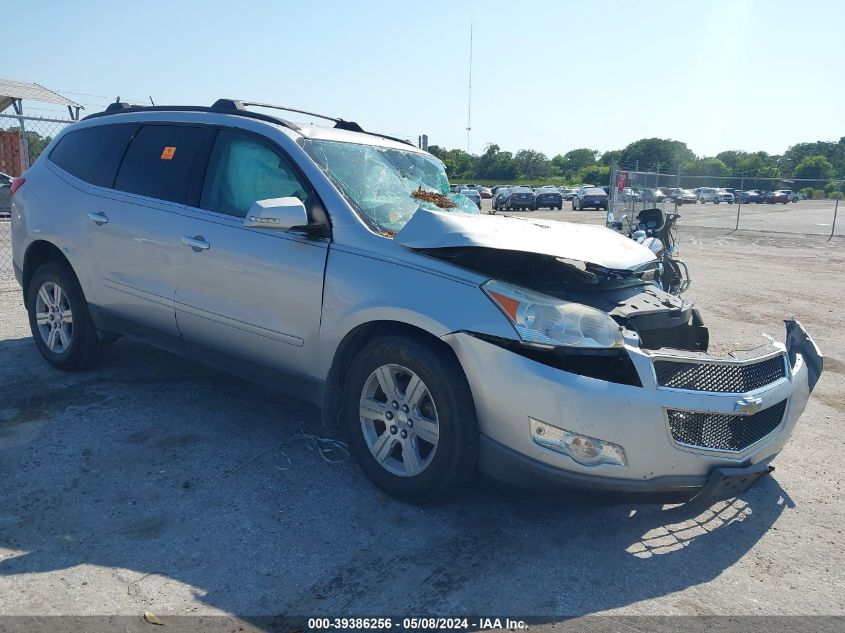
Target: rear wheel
x=411, y=419
x=59, y=319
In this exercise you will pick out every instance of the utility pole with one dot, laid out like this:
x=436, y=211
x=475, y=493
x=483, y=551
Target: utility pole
x=469, y=90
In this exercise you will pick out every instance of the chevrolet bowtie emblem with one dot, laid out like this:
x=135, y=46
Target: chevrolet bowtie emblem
x=748, y=406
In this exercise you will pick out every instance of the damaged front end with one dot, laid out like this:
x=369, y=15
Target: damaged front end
x=610, y=367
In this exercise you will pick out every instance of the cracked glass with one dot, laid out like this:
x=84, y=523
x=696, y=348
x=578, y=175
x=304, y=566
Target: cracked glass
x=384, y=185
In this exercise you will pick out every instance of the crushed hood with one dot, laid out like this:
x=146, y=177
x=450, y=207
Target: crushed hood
x=583, y=242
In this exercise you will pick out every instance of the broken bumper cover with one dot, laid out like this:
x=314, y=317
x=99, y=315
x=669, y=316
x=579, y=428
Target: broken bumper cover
x=677, y=440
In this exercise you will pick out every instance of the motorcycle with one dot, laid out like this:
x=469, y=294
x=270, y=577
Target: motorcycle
x=656, y=231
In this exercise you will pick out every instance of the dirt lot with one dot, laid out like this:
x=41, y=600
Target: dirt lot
x=155, y=484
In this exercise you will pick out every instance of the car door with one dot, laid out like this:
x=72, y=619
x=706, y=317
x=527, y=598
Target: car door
x=134, y=229
x=254, y=293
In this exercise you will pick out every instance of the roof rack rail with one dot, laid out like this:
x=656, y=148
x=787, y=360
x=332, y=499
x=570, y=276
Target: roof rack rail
x=119, y=107
x=239, y=107
x=340, y=124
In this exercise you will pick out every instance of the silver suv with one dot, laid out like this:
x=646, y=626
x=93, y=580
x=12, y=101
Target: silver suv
x=335, y=264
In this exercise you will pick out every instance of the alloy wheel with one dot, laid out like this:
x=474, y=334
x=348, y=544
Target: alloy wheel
x=54, y=317
x=399, y=420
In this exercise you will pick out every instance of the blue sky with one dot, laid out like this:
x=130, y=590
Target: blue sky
x=547, y=75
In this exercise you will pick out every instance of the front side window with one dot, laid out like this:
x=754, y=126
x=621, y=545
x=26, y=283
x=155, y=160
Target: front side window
x=161, y=162
x=93, y=154
x=387, y=186
x=242, y=170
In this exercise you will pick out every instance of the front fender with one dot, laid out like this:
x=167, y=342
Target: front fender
x=360, y=288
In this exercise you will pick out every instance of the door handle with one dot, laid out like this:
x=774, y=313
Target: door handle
x=98, y=218
x=197, y=243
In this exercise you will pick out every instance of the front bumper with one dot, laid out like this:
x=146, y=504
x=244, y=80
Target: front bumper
x=509, y=389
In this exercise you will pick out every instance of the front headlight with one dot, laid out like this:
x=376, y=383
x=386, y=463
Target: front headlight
x=539, y=318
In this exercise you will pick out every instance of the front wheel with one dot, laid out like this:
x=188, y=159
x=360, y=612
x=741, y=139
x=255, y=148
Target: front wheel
x=59, y=319
x=410, y=417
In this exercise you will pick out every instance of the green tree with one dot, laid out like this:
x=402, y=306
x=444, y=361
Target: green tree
x=713, y=167
x=651, y=151
x=598, y=175
x=458, y=163
x=796, y=154
x=35, y=142
x=817, y=168
x=756, y=171
x=494, y=164
x=576, y=160
x=609, y=156
x=532, y=164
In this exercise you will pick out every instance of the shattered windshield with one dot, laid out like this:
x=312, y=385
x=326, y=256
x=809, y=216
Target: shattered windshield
x=385, y=185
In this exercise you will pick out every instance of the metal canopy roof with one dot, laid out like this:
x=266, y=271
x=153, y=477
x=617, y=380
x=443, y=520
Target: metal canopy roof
x=14, y=91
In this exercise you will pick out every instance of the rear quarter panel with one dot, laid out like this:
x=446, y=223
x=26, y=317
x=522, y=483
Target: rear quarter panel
x=49, y=207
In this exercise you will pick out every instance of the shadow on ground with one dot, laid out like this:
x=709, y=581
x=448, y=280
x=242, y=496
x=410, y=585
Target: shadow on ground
x=159, y=470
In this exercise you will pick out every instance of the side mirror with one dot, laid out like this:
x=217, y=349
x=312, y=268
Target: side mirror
x=277, y=213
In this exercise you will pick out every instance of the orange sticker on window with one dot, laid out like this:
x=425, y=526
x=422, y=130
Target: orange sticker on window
x=168, y=153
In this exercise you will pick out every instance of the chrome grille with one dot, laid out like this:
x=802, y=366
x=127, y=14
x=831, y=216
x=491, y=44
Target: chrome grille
x=719, y=377
x=723, y=432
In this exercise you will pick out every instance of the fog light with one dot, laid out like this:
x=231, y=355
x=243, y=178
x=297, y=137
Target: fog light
x=586, y=450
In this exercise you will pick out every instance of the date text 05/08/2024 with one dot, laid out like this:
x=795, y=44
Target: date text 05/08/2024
x=420, y=623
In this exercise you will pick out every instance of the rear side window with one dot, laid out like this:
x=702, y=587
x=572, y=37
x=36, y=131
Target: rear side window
x=93, y=154
x=242, y=170
x=161, y=162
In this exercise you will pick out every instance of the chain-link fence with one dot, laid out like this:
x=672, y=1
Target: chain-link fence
x=774, y=205
x=22, y=139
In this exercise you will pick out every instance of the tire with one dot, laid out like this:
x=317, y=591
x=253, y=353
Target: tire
x=446, y=465
x=67, y=338
x=574, y=205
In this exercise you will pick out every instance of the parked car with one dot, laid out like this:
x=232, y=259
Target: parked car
x=418, y=324
x=723, y=196
x=652, y=195
x=484, y=192
x=590, y=197
x=548, y=197
x=628, y=194
x=783, y=196
x=5, y=194
x=567, y=193
x=683, y=196
x=456, y=188
x=705, y=194
x=752, y=195
x=520, y=198
x=473, y=195
x=499, y=198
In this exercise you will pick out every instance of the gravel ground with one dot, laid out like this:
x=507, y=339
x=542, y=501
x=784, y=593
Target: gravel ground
x=155, y=484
